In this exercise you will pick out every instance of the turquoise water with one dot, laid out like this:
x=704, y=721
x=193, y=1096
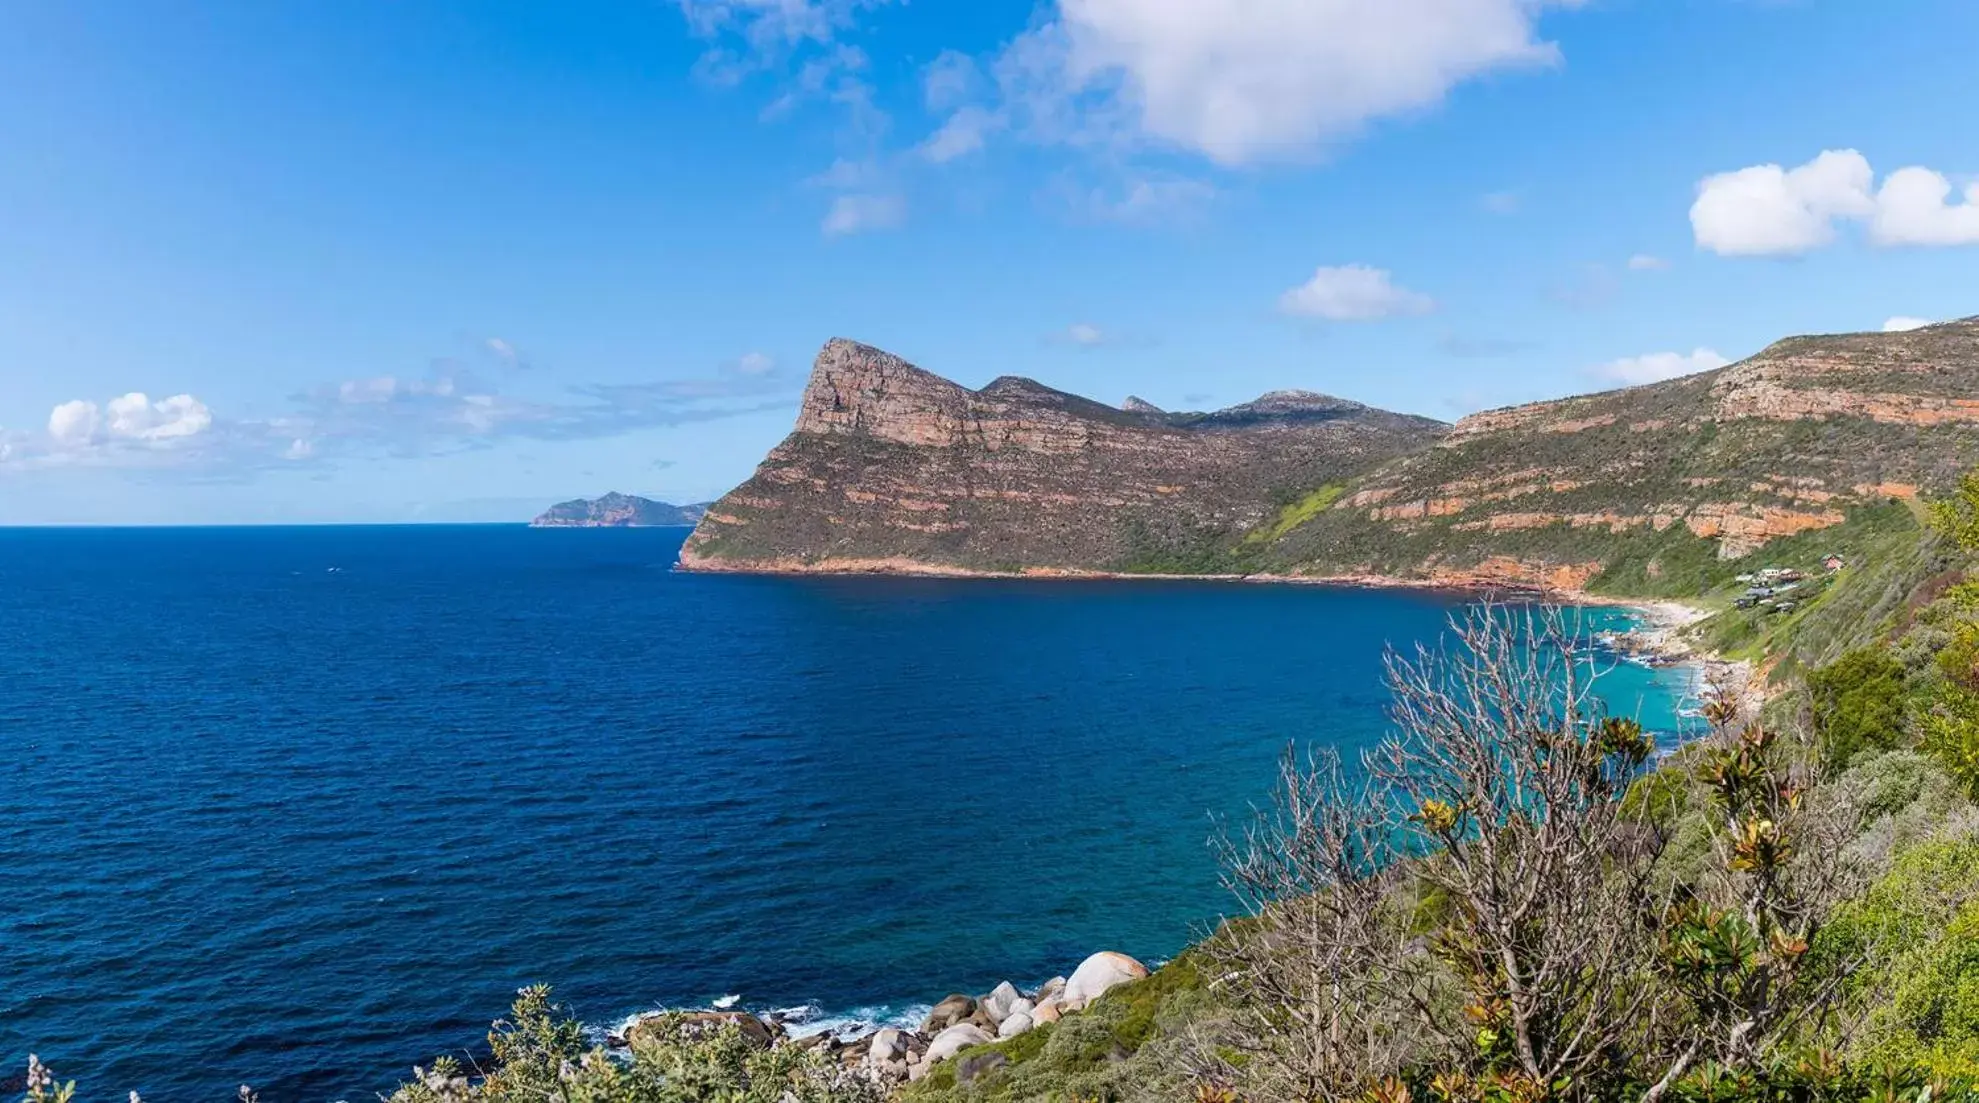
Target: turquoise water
x=299, y=807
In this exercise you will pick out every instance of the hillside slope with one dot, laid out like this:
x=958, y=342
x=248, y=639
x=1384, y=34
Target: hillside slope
x=1794, y=440
x=892, y=467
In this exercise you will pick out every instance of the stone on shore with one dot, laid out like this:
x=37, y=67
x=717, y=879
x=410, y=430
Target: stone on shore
x=955, y=1039
x=1015, y=1023
x=1097, y=975
x=947, y=1013
x=1053, y=988
x=889, y=1044
x=1047, y=1011
x=1000, y=1002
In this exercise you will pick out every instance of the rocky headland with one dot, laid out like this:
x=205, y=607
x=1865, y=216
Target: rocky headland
x=892, y=469
x=617, y=510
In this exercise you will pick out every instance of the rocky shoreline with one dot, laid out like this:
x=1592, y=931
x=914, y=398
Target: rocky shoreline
x=891, y=1055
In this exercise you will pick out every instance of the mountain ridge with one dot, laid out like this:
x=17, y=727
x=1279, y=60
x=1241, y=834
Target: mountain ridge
x=892, y=467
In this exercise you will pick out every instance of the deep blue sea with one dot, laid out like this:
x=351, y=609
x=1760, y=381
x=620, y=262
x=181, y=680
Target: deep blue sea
x=300, y=807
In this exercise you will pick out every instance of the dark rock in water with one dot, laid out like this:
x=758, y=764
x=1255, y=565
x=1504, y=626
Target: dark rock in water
x=618, y=511
x=956, y=1008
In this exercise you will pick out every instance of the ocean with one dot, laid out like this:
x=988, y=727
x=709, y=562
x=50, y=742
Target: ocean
x=300, y=807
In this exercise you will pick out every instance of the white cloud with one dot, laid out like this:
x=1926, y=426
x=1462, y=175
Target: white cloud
x=1139, y=200
x=755, y=363
x=1914, y=207
x=1242, y=81
x=964, y=133
x=769, y=24
x=136, y=417
x=1767, y=210
x=1901, y=324
x=1658, y=366
x=1354, y=293
x=1643, y=262
x=502, y=350
x=73, y=423
x=858, y=213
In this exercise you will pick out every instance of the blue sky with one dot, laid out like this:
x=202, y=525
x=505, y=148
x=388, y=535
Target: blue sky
x=335, y=261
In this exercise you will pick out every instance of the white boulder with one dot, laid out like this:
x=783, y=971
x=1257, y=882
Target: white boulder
x=955, y=1039
x=1097, y=975
x=1017, y=1022
x=1001, y=1001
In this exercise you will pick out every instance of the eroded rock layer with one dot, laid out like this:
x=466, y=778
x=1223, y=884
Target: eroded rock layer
x=893, y=468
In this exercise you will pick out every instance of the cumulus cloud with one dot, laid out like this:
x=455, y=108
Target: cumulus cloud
x=1901, y=324
x=1243, y=81
x=1768, y=210
x=859, y=213
x=1657, y=366
x=131, y=419
x=73, y=423
x=1353, y=293
x=1915, y=207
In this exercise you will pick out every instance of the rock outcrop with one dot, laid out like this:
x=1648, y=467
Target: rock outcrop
x=956, y=1029
x=618, y=511
x=1790, y=441
x=893, y=469
x=892, y=466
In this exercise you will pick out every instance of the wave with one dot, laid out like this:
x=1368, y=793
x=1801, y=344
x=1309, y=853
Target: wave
x=803, y=1020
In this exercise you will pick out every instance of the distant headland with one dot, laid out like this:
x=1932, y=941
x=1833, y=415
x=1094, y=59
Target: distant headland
x=618, y=511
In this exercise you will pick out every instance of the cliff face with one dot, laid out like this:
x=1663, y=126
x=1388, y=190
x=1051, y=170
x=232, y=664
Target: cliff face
x=890, y=465
x=617, y=511
x=1788, y=442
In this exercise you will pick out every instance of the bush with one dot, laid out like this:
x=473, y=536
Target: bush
x=1858, y=704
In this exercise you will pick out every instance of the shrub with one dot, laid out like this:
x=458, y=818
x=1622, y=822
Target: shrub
x=1858, y=704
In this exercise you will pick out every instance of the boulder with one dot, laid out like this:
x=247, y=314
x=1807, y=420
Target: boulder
x=698, y=1024
x=886, y=1046
x=1017, y=1022
x=947, y=1013
x=1047, y=1011
x=1098, y=974
x=976, y=1066
x=955, y=1039
x=1000, y=1002
x=1052, y=989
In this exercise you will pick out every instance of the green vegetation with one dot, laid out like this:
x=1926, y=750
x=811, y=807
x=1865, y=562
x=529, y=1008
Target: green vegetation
x=1858, y=704
x=1297, y=513
x=1129, y=1043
